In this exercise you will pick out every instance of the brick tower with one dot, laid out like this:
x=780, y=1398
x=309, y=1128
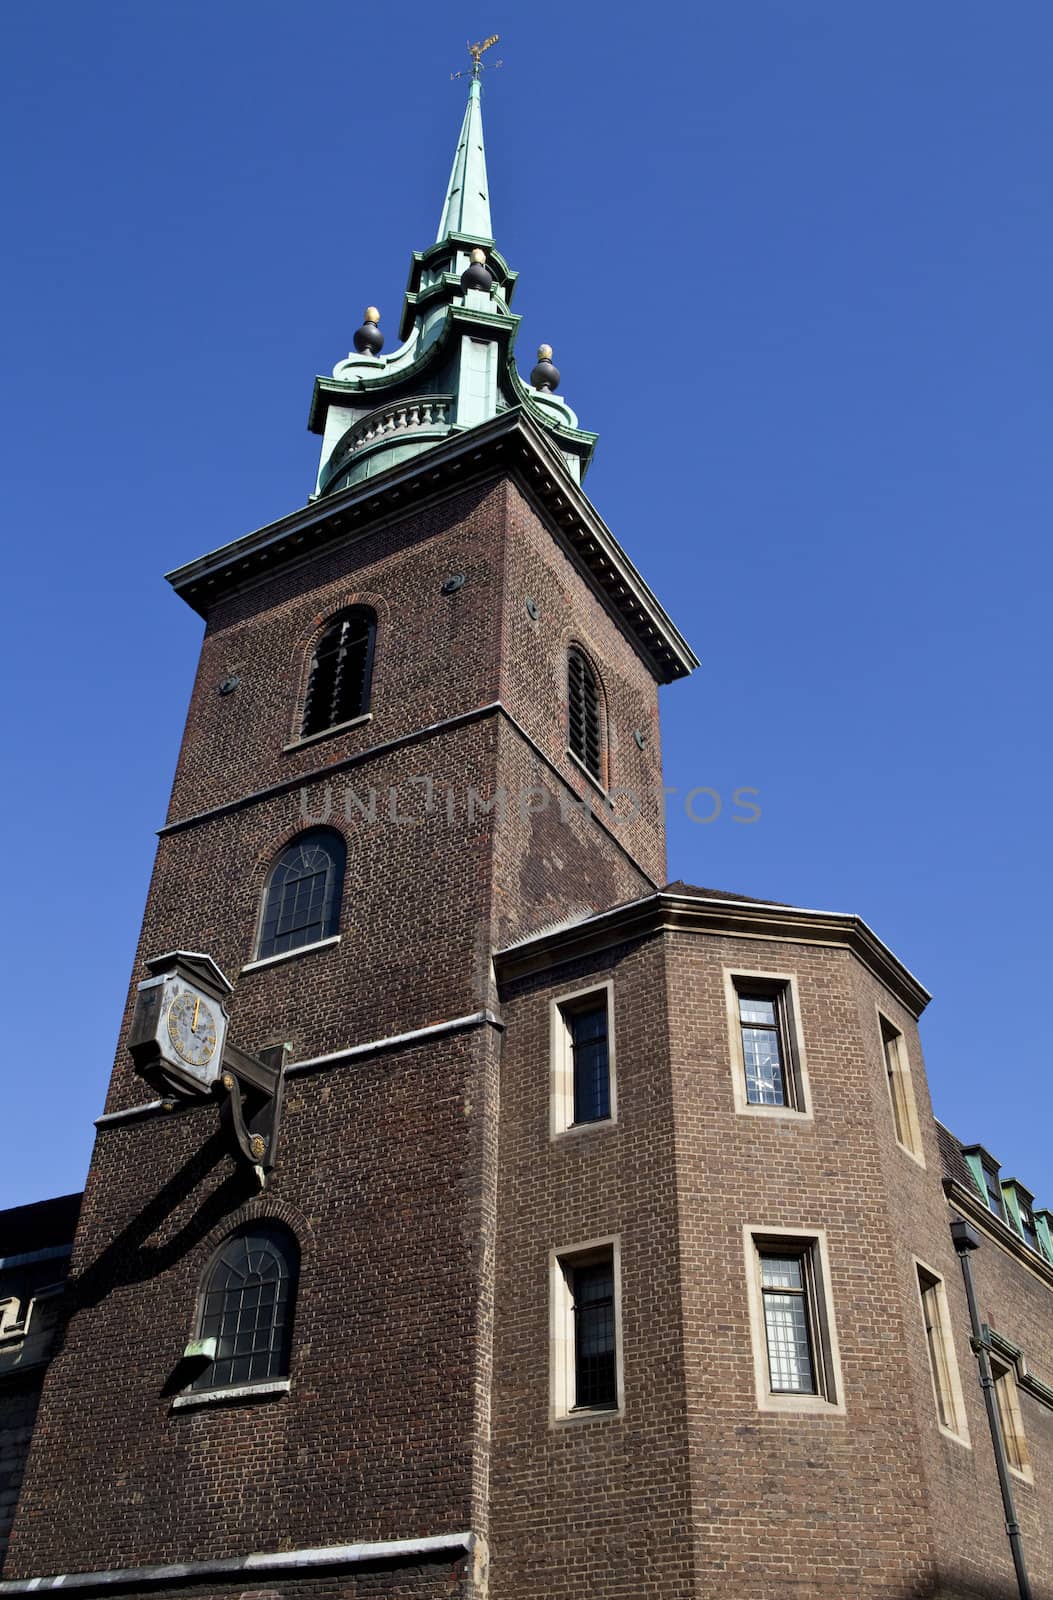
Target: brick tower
x=473, y=1212
x=376, y=790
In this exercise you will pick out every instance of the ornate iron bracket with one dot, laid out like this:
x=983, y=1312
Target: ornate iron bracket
x=251, y=1090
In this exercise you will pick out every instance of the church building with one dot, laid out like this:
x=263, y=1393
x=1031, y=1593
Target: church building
x=474, y=1211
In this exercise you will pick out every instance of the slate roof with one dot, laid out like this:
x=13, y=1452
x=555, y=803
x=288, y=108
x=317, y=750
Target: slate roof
x=954, y=1163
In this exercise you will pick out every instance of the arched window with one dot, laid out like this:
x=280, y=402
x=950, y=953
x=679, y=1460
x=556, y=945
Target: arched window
x=247, y=1300
x=301, y=903
x=341, y=668
x=584, y=731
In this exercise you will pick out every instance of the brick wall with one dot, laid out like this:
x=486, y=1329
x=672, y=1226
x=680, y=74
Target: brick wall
x=696, y=1490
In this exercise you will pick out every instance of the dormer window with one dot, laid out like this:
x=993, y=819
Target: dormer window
x=341, y=669
x=985, y=1172
x=1020, y=1213
x=993, y=1191
x=584, y=730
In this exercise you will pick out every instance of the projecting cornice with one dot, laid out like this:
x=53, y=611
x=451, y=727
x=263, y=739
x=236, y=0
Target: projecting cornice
x=979, y=1213
x=668, y=911
x=511, y=443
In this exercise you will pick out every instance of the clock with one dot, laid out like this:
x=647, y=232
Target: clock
x=180, y=1024
x=192, y=1027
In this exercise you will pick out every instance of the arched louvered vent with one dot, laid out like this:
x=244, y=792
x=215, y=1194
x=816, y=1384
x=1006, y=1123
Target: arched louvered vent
x=584, y=730
x=341, y=669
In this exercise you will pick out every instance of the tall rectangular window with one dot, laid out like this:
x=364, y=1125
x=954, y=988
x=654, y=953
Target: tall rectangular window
x=595, y=1378
x=582, y=1059
x=764, y=1050
x=1012, y=1423
x=767, y=1066
x=585, y=1330
x=943, y=1365
x=588, y=1043
x=900, y=1088
x=794, y=1341
x=788, y=1319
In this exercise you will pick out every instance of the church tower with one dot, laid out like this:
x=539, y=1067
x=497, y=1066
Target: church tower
x=424, y=726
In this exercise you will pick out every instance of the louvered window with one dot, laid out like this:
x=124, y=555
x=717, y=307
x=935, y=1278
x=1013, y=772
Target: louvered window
x=341, y=668
x=301, y=904
x=584, y=714
x=246, y=1307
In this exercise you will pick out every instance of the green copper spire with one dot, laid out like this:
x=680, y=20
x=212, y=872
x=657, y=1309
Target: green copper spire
x=454, y=369
x=467, y=206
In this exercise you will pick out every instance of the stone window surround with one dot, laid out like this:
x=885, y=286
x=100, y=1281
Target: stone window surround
x=1011, y=1421
x=795, y=1067
x=561, y=1059
x=890, y=1033
x=954, y=1396
x=561, y=1332
x=287, y=955
x=809, y=1242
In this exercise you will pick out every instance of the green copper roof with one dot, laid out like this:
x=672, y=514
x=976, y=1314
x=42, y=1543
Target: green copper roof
x=467, y=206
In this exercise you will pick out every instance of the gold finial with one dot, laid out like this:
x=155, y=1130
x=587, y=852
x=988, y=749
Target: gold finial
x=479, y=257
x=544, y=352
x=476, y=52
x=371, y=314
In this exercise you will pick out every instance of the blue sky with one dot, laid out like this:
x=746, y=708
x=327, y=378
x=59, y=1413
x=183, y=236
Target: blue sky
x=794, y=259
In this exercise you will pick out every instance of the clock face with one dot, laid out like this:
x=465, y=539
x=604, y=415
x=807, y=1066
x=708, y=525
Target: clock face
x=192, y=1028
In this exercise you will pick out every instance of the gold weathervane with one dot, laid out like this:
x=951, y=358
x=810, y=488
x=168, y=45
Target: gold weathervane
x=476, y=52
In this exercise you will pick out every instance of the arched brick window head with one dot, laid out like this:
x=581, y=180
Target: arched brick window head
x=584, y=732
x=301, y=903
x=341, y=669
x=247, y=1305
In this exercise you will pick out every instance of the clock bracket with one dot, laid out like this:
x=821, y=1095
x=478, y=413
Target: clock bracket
x=250, y=1090
x=179, y=1041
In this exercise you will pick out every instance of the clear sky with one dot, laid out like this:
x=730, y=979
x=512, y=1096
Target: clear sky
x=795, y=260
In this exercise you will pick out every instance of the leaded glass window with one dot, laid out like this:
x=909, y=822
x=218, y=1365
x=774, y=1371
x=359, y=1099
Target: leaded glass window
x=589, y=1048
x=764, y=1049
x=584, y=731
x=246, y=1307
x=595, y=1370
x=785, y=1291
x=341, y=669
x=302, y=901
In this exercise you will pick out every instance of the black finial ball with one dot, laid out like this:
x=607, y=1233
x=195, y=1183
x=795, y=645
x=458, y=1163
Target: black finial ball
x=545, y=375
x=477, y=274
x=369, y=339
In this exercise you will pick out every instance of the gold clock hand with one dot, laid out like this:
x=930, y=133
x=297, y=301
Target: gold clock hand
x=197, y=1007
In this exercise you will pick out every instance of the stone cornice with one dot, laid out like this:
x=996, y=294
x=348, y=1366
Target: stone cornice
x=1001, y=1346
x=1000, y=1233
x=669, y=912
x=512, y=443
x=241, y=1569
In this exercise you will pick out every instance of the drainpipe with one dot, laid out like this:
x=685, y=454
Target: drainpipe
x=966, y=1240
